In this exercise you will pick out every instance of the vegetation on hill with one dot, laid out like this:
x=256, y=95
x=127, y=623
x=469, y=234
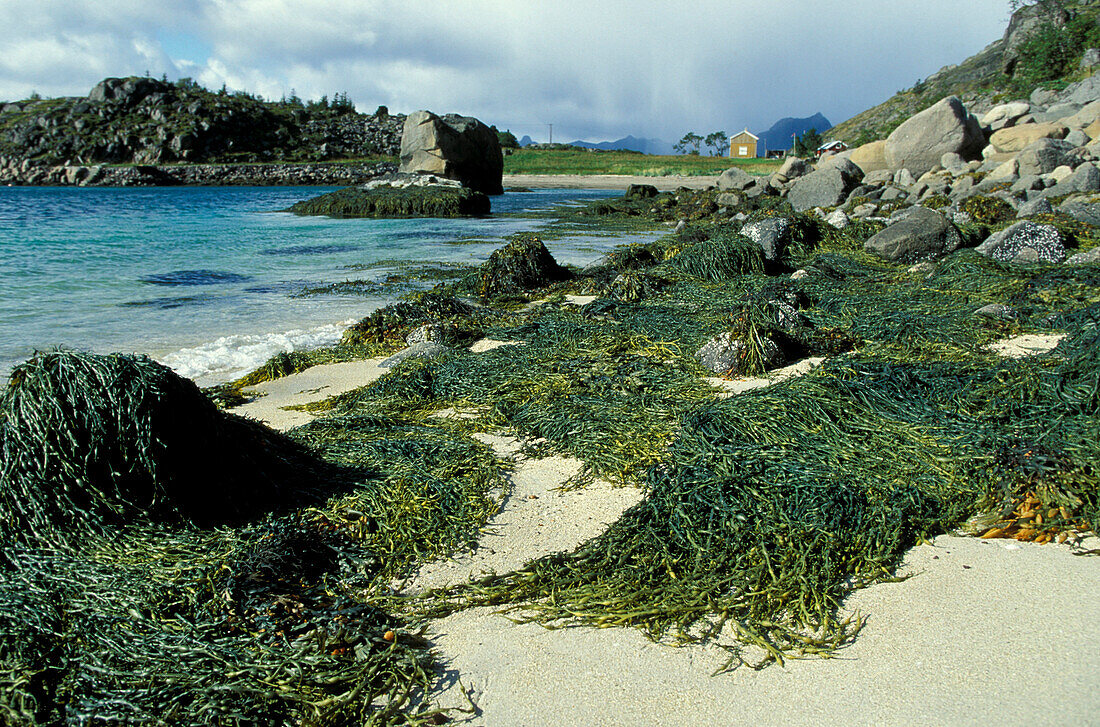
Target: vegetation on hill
x=575, y=160
x=150, y=121
x=1043, y=46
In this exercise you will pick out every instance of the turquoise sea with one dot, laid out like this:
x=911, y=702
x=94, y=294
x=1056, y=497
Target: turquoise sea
x=205, y=279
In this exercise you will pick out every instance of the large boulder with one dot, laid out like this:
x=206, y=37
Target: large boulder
x=921, y=234
x=735, y=178
x=825, y=187
x=870, y=157
x=1025, y=242
x=1018, y=138
x=454, y=147
x=920, y=141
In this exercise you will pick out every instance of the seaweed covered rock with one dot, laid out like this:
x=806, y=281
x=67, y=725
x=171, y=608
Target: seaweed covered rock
x=729, y=355
x=1025, y=242
x=723, y=255
x=89, y=440
x=523, y=264
x=641, y=191
x=919, y=235
x=772, y=234
x=393, y=326
x=456, y=147
x=434, y=200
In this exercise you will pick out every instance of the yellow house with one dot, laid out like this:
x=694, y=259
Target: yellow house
x=743, y=145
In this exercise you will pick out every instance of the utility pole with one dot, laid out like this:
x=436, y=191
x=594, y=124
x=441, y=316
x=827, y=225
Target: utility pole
x=551, y=133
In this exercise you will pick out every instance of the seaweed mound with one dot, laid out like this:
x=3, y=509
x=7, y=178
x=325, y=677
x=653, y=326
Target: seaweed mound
x=88, y=440
x=396, y=202
x=521, y=265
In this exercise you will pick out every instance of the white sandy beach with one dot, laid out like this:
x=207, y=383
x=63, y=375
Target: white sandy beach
x=981, y=632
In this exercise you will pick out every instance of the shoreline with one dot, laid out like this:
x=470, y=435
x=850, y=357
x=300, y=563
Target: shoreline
x=607, y=181
x=964, y=616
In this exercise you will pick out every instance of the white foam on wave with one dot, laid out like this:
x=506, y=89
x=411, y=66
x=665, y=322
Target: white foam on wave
x=231, y=356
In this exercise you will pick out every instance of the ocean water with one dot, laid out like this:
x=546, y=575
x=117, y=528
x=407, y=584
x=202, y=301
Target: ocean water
x=206, y=279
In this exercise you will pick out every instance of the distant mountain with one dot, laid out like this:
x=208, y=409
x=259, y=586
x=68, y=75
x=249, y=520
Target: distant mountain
x=779, y=135
x=526, y=141
x=631, y=143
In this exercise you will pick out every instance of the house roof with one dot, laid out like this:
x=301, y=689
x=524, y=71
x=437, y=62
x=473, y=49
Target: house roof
x=743, y=133
x=831, y=145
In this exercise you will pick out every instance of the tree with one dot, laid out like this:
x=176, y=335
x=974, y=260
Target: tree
x=807, y=144
x=689, y=144
x=718, y=143
x=506, y=138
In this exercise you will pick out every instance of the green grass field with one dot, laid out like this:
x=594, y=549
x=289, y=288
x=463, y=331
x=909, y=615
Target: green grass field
x=581, y=161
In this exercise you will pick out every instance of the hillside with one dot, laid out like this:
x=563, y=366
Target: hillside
x=1043, y=46
x=149, y=121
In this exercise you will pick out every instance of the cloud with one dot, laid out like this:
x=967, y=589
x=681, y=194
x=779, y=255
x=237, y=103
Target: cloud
x=593, y=69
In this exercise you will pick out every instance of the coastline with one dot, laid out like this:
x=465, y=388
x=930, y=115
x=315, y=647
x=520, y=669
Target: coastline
x=964, y=619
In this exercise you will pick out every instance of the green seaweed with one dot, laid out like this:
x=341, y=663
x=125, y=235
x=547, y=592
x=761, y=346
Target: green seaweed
x=396, y=202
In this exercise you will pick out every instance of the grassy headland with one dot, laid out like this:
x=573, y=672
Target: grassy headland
x=583, y=161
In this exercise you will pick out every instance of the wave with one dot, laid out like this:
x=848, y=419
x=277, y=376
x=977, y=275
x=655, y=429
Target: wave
x=231, y=356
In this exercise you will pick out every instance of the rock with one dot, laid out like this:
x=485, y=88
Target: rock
x=455, y=147
x=1005, y=114
x=641, y=191
x=794, y=167
x=1088, y=257
x=1084, y=117
x=954, y=163
x=1025, y=242
x=997, y=311
x=127, y=91
x=1077, y=137
x=423, y=349
x=735, y=178
x=728, y=199
x=825, y=187
x=387, y=201
x=1044, y=156
x=837, y=219
x=878, y=177
x=904, y=178
x=1087, y=212
x=429, y=332
x=1086, y=178
x=1034, y=207
x=1090, y=59
x=724, y=354
x=920, y=234
x=920, y=141
x=865, y=210
x=1017, y=138
x=1042, y=96
x=772, y=235
x=1082, y=92
x=1060, y=174
x=870, y=157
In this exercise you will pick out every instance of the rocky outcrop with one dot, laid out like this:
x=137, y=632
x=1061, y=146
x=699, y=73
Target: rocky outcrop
x=17, y=172
x=736, y=179
x=147, y=121
x=772, y=235
x=922, y=140
x=455, y=147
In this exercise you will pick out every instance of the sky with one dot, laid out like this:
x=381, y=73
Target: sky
x=595, y=70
